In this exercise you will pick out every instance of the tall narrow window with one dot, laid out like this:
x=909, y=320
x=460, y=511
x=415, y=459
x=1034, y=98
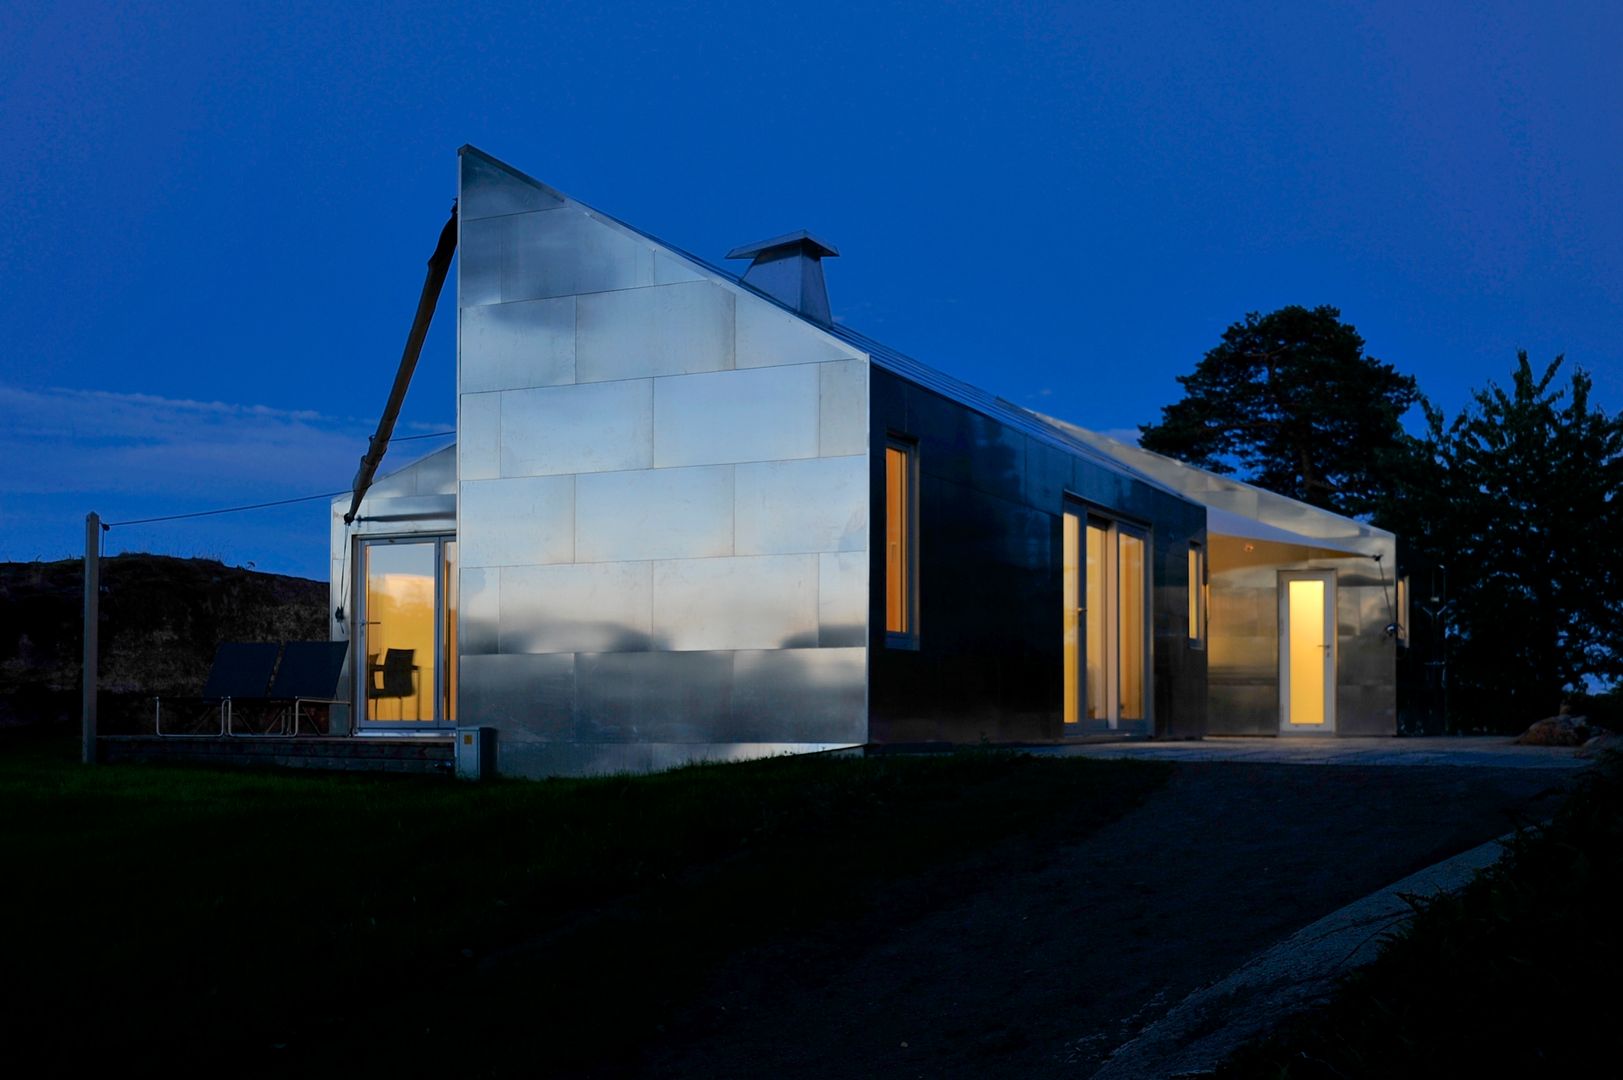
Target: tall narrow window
x=1197, y=596
x=1403, y=609
x=901, y=602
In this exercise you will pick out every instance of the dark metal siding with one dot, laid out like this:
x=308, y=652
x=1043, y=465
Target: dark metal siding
x=990, y=504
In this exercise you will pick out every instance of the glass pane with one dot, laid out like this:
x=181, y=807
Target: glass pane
x=1072, y=599
x=1094, y=584
x=897, y=500
x=1307, y=652
x=1130, y=602
x=400, y=631
x=448, y=584
x=1194, y=592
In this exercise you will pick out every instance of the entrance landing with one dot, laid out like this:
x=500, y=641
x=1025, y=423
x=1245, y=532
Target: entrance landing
x=1487, y=751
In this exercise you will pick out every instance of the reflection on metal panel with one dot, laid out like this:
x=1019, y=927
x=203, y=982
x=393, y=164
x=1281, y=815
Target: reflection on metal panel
x=479, y=263
x=519, y=693
x=667, y=330
x=759, y=602
x=488, y=190
x=531, y=343
x=763, y=414
x=479, y=435
x=477, y=614
x=767, y=338
x=565, y=252
x=519, y=757
x=843, y=408
x=801, y=695
x=591, y=607
x=521, y=521
x=654, y=696
x=592, y=427
x=842, y=598
x=818, y=504
x=654, y=514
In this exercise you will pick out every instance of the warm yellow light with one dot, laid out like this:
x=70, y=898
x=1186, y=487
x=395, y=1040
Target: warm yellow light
x=1132, y=626
x=898, y=617
x=1073, y=616
x=1308, y=652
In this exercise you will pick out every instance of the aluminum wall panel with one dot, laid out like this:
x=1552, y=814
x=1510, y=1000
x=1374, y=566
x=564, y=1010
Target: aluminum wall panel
x=522, y=521
x=566, y=252
x=591, y=427
x=763, y=414
x=519, y=694
x=479, y=263
x=488, y=190
x=545, y=759
x=479, y=423
x=842, y=599
x=767, y=339
x=654, y=514
x=529, y=343
x=819, y=504
x=654, y=696
x=842, y=408
x=760, y=602
x=609, y=613
x=478, y=610
x=666, y=330
x=592, y=607
x=804, y=695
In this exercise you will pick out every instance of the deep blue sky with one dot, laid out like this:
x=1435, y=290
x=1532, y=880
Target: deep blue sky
x=214, y=217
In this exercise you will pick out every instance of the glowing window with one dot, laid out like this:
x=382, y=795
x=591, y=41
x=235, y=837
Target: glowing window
x=901, y=601
x=1197, y=596
x=1403, y=609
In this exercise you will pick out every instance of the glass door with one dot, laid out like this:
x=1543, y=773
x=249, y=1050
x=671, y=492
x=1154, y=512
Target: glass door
x=406, y=667
x=1106, y=624
x=1307, y=651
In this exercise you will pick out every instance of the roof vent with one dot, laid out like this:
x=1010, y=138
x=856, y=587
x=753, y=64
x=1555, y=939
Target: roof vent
x=790, y=269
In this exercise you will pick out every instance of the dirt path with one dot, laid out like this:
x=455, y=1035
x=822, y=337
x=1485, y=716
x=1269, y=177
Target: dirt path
x=1042, y=971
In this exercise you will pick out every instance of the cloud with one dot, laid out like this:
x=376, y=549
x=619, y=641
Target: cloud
x=98, y=441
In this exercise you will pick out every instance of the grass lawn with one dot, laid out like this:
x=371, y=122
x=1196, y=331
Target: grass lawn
x=1515, y=975
x=270, y=922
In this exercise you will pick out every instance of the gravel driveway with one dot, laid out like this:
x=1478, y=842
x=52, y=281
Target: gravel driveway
x=1044, y=966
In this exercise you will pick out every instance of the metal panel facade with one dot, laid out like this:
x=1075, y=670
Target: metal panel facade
x=988, y=663
x=664, y=556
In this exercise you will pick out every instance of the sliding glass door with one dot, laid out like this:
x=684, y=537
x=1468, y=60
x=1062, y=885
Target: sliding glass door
x=1106, y=624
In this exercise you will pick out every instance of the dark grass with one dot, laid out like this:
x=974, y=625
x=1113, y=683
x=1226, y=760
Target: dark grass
x=313, y=923
x=1513, y=976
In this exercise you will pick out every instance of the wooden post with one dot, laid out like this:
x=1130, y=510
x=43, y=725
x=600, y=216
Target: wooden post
x=92, y=630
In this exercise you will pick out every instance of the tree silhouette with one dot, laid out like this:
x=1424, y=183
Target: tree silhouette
x=1291, y=401
x=1521, y=497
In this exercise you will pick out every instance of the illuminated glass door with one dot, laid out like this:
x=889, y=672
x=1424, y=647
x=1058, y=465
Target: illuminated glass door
x=1307, y=651
x=1106, y=624
x=406, y=661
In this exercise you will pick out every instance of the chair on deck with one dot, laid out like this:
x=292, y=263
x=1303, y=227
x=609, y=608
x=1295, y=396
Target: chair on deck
x=396, y=678
x=241, y=672
x=305, y=689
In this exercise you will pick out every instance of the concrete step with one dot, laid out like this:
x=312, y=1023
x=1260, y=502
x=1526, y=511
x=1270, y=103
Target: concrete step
x=420, y=756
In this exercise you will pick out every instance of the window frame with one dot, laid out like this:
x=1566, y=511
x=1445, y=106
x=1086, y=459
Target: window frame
x=908, y=637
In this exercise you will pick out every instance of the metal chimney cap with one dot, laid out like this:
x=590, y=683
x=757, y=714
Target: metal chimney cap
x=809, y=244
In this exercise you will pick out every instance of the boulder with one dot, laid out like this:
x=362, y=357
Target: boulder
x=1556, y=731
x=1604, y=742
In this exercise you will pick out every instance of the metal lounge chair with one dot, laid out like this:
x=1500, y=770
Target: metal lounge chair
x=305, y=689
x=241, y=672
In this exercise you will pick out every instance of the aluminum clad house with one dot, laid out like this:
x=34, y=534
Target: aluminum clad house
x=690, y=517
